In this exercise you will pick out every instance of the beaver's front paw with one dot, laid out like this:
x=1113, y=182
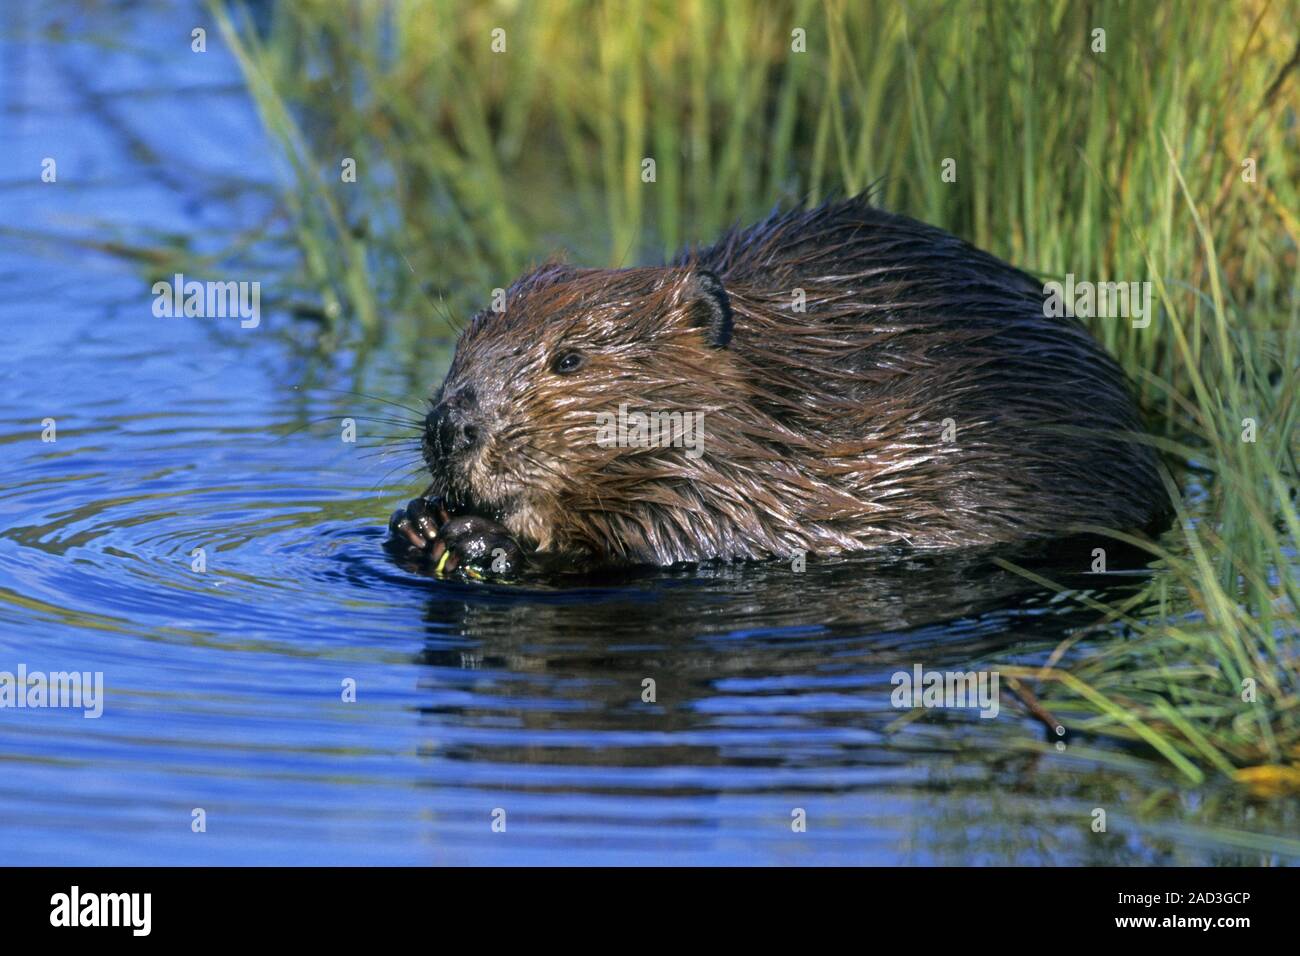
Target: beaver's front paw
x=415, y=527
x=476, y=546
x=473, y=546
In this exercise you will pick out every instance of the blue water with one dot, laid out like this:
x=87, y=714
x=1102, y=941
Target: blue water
x=224, y=687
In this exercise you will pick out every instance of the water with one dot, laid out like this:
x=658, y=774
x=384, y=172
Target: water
x=224, y=689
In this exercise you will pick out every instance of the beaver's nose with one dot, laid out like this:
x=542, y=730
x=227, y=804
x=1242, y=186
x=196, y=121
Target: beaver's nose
x=453, y=425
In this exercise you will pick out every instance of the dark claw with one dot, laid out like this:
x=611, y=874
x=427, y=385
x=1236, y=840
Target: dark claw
x=413, y=527
x=426, y=526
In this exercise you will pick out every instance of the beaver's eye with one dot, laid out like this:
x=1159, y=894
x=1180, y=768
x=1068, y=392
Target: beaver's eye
x=568, y=363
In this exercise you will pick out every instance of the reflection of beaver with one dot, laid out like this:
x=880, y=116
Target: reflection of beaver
x=864, y=380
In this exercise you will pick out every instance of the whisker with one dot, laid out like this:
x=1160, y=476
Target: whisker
x=383, y=453
x=373, y=398
x=389, y=440
x=399, y=422
x=444, y=313
x=410, y=472
x=338, y=418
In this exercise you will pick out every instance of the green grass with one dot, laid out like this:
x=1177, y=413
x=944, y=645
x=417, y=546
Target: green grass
x=1121, y=165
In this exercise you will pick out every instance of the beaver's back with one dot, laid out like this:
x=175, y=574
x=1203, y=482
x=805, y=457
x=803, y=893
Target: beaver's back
x=934, y=388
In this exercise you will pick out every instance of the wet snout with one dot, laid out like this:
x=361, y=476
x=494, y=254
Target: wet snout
x=455, y=426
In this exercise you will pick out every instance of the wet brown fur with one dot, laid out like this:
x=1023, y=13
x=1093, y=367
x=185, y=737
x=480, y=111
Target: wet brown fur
x=823, y=429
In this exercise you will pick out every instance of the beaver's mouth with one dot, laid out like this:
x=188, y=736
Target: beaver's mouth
x=460, y=497
x=467, y=483
x=460, y=501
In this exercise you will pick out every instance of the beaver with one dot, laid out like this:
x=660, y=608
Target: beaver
x=860, y=380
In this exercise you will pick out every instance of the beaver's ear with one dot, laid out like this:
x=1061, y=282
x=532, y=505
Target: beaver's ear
x=710, y=309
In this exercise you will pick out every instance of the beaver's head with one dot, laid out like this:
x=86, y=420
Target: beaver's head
x=515, y=432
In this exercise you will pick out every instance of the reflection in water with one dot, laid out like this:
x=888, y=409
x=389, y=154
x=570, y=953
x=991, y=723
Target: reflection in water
x=766, y=653
x=772, y=691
